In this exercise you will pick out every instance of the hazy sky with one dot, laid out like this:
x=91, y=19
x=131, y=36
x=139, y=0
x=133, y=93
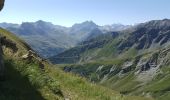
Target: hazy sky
x=68, y=12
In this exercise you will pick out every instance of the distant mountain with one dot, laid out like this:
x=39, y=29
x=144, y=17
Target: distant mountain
x=85, y=27
x=114, y=27
x=49, y=39
x=6, y=25
x=88, y=29
x=83, y=30
x=44, y=37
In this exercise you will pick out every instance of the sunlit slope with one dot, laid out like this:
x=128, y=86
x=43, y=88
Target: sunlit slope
x=135, y=62
x=24, y=80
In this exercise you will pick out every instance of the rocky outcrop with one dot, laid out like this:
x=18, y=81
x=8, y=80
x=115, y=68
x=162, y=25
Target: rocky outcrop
x=9, y=44
x=31, y=56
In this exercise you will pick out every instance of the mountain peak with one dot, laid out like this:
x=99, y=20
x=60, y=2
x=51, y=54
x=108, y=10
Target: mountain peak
x=156, y=24
x=85, y=24
x=89, y=22
x=40, y=21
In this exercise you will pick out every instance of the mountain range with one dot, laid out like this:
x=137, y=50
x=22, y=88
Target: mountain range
x=49, y=39
x=27, y=76
x=133, y=61
x=145, y=36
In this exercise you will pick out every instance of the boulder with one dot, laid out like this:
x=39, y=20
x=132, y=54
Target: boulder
x=29, y=56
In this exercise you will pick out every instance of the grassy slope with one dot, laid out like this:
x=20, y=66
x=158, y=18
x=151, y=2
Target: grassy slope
x=25, y=81
x=158, y=87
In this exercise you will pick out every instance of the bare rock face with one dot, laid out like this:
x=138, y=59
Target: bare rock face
x=1, y=57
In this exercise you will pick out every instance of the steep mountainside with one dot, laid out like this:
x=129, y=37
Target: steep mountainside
x=136, y=61
x=152, y=34
x=26, y=79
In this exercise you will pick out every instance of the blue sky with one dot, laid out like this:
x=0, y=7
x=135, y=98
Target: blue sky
x=68, y=12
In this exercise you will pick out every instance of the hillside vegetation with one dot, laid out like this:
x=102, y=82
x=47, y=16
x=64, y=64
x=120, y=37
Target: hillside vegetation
x=25, y=80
